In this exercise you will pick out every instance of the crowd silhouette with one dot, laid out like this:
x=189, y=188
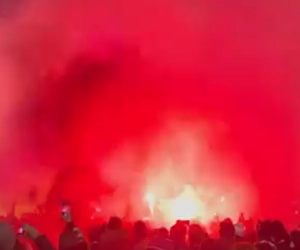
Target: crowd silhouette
x=118, y=234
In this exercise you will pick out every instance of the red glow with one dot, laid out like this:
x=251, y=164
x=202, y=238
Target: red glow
x=180, y=177
x=186, y=206
x=114, y=99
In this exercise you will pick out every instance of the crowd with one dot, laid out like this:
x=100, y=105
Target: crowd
x=117, y=235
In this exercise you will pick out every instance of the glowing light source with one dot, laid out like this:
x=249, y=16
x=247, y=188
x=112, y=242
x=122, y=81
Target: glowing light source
x=185, y=206
x=150, y=199
x=181, y=179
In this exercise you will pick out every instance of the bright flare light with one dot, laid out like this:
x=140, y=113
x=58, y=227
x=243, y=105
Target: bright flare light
x=150, y=199
x=181, y=179
x=185, y=206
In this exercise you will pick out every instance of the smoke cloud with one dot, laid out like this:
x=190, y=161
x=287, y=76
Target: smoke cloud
x=234, y=64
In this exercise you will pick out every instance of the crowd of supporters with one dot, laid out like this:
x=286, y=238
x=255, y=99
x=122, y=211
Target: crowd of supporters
x=117, y=234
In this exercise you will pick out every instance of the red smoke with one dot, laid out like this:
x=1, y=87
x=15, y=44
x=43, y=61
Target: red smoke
x=106, y=82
